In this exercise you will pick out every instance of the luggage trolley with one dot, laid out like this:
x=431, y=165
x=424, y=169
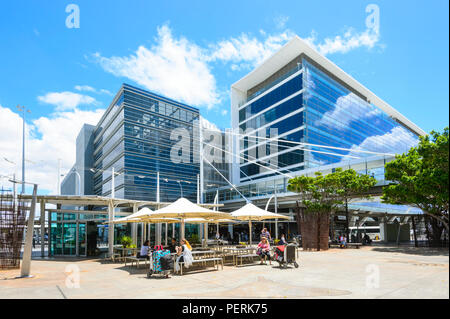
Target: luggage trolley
x=161, y=262
x=285, y=254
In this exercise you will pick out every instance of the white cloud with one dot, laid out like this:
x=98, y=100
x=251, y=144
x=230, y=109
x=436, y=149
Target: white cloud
x=57, y=139
x=67, y=100
x=176, y=68
x=224, y=112
x=347, y=110
x=350, y=40
x=280, y=21
x=180, y=69
x=87, y=88
x=398, y=139
x=246, y=51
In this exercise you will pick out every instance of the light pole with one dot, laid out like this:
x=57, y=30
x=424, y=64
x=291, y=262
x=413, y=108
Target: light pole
x=23, y=110
x=74, y=170
x=181, y=188
x=58, y=191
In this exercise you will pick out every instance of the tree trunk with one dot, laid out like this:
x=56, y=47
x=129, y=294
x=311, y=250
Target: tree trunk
x=414, y=232
x=318, y=232
x=299, y=229
x=347, y=221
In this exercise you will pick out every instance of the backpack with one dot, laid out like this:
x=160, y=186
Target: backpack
x=166, y=262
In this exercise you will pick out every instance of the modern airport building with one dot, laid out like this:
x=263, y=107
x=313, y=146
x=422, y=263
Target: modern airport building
x=297, y=113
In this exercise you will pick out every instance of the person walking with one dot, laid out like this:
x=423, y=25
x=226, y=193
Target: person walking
x=265, y=233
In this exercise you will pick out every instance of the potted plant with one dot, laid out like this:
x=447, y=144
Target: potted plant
x=127, y=242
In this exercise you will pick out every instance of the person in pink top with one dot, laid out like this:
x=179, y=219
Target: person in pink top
x=264, y=250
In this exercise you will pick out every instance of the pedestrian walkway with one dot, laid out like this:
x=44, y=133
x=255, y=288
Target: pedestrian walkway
x=369, y=272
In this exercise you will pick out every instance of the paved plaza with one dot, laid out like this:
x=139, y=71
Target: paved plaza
x=369, y=272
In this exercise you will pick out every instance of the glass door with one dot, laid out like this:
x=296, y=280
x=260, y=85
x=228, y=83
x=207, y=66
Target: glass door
x=69, y=239
x=82, y=242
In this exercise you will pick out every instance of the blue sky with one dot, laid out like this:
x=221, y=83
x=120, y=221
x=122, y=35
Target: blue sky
x=65, y=75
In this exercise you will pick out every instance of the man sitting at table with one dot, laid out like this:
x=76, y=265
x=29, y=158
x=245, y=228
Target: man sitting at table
x=144, y=250
x=173, y=246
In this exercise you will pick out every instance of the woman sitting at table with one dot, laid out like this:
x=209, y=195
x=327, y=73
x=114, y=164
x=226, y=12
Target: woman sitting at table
x=184, y=254
x=144, y=250
x=264, y=250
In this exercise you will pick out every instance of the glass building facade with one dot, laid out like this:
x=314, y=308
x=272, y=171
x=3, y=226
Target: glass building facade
x=134, y=138
x=311, y=107
x=298, y=113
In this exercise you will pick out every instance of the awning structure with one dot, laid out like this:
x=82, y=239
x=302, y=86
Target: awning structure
x=183, y=208
x=376, y=208
x=251, y=213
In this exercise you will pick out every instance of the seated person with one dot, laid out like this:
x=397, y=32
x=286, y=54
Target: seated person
x=183, y=254
x=264, y=250
x=173, y=245
x=144, y=250
x=282, y=240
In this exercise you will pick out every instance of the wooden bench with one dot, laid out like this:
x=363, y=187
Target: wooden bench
x=136, y=260
x=250, y=256
x=203, y=261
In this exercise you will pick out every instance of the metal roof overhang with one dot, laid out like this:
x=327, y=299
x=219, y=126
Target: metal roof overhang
x=92, y=200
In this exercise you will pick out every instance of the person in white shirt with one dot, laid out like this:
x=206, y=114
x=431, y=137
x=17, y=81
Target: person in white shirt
x=183, y=255
x=144, y=250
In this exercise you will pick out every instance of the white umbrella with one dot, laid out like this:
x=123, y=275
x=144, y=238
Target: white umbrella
x=183, y=208
x=143, y=212
x=251, y=212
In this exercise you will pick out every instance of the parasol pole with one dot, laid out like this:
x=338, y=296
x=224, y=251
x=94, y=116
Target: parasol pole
x=182, y=229
x=205, y=232
x=250, y=231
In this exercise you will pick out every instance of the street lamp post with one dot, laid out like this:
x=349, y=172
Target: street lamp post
x=23, y=110
x=181, y=188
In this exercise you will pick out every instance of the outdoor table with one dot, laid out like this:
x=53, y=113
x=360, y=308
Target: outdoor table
x=123, y=250
x=203, y=252
x=238, y=251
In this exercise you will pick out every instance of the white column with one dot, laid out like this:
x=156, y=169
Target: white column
x=205, y=231
x=165, y=239
x=42, y=227
x=182, y=228
x=110, y=227
x=112, y=184
x=134, y=226
x=26, y=259
x=149, y=231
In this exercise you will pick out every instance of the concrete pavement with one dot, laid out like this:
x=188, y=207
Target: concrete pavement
x=369, y=272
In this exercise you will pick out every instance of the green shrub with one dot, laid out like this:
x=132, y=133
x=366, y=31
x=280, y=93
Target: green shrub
x=127, y=242
x=194, y=239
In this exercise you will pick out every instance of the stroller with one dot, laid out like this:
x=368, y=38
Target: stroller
x=161, y=262
x=285, y=254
